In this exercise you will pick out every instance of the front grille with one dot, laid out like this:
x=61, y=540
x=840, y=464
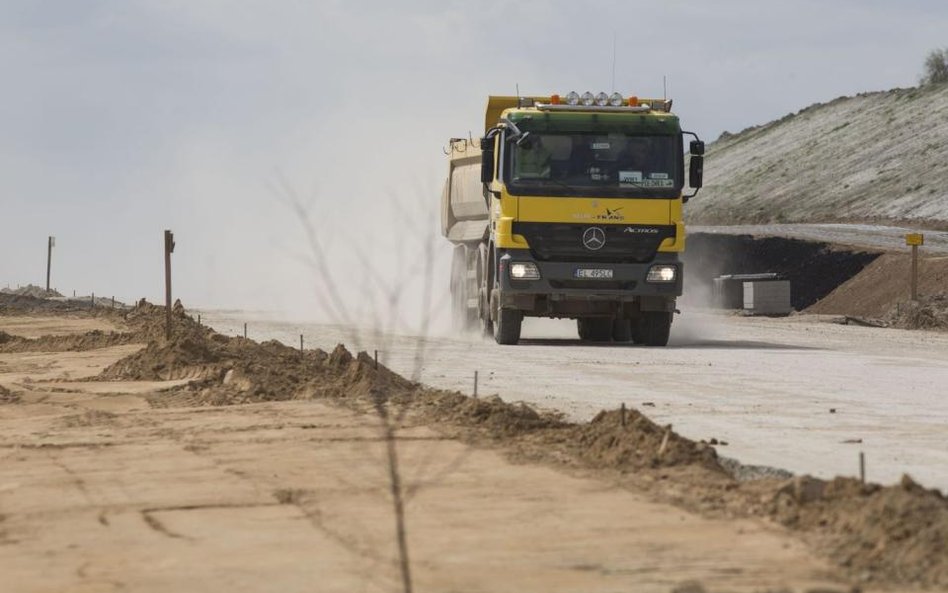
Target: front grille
x=624, y=243
x=594, y=284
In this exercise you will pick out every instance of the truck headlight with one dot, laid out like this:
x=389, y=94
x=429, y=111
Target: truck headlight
x=524, y=271
x=661, y=274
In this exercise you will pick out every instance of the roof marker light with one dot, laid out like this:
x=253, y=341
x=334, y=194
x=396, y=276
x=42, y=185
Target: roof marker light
x=555, y=100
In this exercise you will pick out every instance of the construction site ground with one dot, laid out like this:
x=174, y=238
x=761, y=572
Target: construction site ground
x=172, y=466
x=99, y=491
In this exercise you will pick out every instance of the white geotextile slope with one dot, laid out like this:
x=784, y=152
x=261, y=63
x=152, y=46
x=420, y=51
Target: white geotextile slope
x=874, y=157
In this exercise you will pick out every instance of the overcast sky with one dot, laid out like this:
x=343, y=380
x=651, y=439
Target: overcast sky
x=120, y=118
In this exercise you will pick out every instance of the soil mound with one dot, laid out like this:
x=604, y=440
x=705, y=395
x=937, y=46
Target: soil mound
x=883, y=287
x=225, y=370
x=75, y=343
x=16, y=303
x=929, y=312
x=637, y=442
x=491, y=415
x=894, y=533
x=31, y=290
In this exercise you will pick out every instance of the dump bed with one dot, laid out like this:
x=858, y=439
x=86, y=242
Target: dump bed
x=464, y=213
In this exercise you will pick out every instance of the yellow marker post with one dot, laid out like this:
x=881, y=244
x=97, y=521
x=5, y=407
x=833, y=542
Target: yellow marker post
x=914, y=240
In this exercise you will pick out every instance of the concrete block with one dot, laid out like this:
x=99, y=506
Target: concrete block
x=769, y=297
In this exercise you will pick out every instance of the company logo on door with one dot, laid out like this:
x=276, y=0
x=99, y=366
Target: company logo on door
x=611, y=214
x=608, y=214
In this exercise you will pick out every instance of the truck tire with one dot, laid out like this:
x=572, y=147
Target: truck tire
x=653, y=328
x=621, y=330
x=459, y=312
x=485, y=281
x=507, y=327
x=487, y=326
x=594, y=329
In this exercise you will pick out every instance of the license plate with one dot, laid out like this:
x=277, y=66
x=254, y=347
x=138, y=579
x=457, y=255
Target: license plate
x=594, y=273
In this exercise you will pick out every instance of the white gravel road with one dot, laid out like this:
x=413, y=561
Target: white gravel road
x=799, y=393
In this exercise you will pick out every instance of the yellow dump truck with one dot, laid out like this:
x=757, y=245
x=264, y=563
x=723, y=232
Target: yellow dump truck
x=570, y=207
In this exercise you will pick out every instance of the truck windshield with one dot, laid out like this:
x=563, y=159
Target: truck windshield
x=595, y=164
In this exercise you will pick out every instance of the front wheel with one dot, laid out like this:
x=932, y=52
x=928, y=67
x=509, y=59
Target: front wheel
x=653, y=328
x=507, y=326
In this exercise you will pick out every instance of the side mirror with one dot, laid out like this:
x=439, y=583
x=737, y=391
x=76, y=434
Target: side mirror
x=695, y=165
x=696, y=168
x=487, y=159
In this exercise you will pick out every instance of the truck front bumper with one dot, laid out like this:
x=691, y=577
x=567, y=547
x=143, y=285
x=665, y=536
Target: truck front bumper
x=560, y=282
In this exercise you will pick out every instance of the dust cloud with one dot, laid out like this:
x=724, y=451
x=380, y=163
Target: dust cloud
x=695, y=324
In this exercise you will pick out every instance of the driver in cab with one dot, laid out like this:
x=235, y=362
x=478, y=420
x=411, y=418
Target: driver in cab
x=532, y=159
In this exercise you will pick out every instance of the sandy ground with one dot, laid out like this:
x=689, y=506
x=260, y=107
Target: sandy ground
x=798, y=393
x=100, y=492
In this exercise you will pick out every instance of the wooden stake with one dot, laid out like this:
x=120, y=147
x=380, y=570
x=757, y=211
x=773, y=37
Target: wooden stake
x=169, y=249
x=49, y=261
x=915, y=273
x=475, y=383
x=862, y=467
x=664, y=445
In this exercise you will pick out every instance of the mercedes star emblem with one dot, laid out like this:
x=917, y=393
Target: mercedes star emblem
x=594, y=238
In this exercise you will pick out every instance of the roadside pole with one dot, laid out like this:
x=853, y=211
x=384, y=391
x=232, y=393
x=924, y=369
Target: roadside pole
x=169, y=249
x=49, y=259
x=914, y=240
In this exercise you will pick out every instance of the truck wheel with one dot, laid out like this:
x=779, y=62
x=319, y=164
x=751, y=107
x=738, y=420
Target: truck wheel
x=653, y=328
x=460, y=315
x=507, y=326
x=622, y=330
x=487, y=326
x=594, y=329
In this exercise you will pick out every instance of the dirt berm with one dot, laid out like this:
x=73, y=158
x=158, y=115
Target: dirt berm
x=894, y=534
x=881, y=291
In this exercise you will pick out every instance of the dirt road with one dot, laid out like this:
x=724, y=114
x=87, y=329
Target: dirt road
x=99, y=491
x=799, y=393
